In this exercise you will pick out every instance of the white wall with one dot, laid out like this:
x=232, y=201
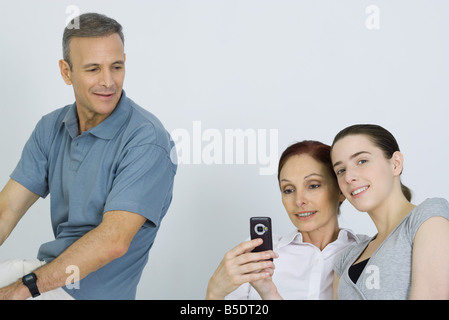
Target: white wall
x=303, y=68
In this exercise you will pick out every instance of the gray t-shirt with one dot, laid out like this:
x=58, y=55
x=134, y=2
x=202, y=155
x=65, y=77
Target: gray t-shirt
x=388, y=272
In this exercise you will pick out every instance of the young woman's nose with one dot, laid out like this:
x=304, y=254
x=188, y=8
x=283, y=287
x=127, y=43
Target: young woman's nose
x=350, y=175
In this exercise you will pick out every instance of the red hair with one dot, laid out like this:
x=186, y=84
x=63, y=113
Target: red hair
x=319, y=151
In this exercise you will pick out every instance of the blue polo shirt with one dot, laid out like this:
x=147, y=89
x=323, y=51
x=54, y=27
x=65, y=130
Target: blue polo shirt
x=121, y=164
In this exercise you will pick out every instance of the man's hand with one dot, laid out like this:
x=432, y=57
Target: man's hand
x=15, y=291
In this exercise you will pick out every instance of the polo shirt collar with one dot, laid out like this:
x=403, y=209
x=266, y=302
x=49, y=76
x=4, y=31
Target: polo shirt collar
x=106, y=129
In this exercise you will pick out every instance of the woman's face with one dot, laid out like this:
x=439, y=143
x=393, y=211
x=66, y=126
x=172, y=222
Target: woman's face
x=309, y=193
x=364, y=174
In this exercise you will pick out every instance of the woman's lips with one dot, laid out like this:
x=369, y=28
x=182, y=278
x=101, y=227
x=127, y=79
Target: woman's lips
x=305, y=215
x=359, y=191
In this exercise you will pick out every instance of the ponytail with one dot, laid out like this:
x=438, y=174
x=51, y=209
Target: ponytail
x=407, y=192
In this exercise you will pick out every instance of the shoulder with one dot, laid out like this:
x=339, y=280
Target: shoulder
x=432, y=207
x=48, y=126
x=55, y=118
x=145, y=128
x=436, y=205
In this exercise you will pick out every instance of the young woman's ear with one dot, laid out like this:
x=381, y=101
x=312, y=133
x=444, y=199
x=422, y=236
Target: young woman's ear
x=397, y=162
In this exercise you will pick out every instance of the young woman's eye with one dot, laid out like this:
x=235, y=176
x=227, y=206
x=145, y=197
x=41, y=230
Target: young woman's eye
x=339, y=172
x=362, y=161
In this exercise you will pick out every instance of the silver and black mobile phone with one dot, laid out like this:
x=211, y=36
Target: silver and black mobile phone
x=260, y=227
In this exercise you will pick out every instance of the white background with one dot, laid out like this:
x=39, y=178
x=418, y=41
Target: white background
x=305, y=68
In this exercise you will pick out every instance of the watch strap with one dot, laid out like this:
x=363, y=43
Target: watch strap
x=29, y=281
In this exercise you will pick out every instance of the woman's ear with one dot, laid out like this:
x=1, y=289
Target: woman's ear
x=398, y=162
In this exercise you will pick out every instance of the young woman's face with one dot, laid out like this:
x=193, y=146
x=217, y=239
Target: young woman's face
x=364, y=174
x=309, y=193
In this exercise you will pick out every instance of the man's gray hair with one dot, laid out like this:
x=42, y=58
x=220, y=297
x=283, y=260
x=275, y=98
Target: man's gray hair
x=89, y=25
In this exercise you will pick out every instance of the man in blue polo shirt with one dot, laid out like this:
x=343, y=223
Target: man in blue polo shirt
x=106, y=164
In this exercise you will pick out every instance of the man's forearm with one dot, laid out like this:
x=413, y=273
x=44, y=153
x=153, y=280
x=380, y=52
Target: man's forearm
x=87, y=254
x=107, y=242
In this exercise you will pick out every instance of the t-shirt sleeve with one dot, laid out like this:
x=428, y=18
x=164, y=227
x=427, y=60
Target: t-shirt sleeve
x=339, y=261
x=143, y=183
x=32, y=168
x=434, y=207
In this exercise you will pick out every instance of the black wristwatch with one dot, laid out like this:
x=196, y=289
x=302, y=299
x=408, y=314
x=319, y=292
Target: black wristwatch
x=30, y=281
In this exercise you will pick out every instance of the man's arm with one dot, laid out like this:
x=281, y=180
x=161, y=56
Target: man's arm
x=107, y=242
x=15, y=200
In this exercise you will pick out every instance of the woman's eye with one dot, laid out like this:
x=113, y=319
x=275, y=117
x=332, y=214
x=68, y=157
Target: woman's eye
x=339, y=172
x=314, y=186
x=288, y=191
x=362, y=161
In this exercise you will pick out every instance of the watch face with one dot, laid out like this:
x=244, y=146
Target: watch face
x=29, y=277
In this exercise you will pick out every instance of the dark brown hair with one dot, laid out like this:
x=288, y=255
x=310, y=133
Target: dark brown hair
x=381, y=138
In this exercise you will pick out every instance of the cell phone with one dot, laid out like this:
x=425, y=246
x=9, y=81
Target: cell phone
x=260, y=227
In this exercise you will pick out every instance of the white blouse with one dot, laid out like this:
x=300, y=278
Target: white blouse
x=302, y=271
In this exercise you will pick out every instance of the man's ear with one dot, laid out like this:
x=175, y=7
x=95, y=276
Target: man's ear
x=398, y=162
x=66, y=73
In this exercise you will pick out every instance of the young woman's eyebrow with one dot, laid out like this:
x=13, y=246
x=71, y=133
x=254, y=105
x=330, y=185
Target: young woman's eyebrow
x=351, y=157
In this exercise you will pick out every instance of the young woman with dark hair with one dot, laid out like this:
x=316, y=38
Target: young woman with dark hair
x=409, y=256
x=303, y=258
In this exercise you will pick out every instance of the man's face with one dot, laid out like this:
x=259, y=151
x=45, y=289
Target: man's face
x=97, y=75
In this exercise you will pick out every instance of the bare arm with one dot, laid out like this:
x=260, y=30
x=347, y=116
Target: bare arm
x=335, y=286
x=107, y=242
x=430, y=260
x=15, y=200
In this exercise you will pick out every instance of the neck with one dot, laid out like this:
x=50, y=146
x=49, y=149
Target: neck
x=321, y=237
x=88, y=120
x=390, y=213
